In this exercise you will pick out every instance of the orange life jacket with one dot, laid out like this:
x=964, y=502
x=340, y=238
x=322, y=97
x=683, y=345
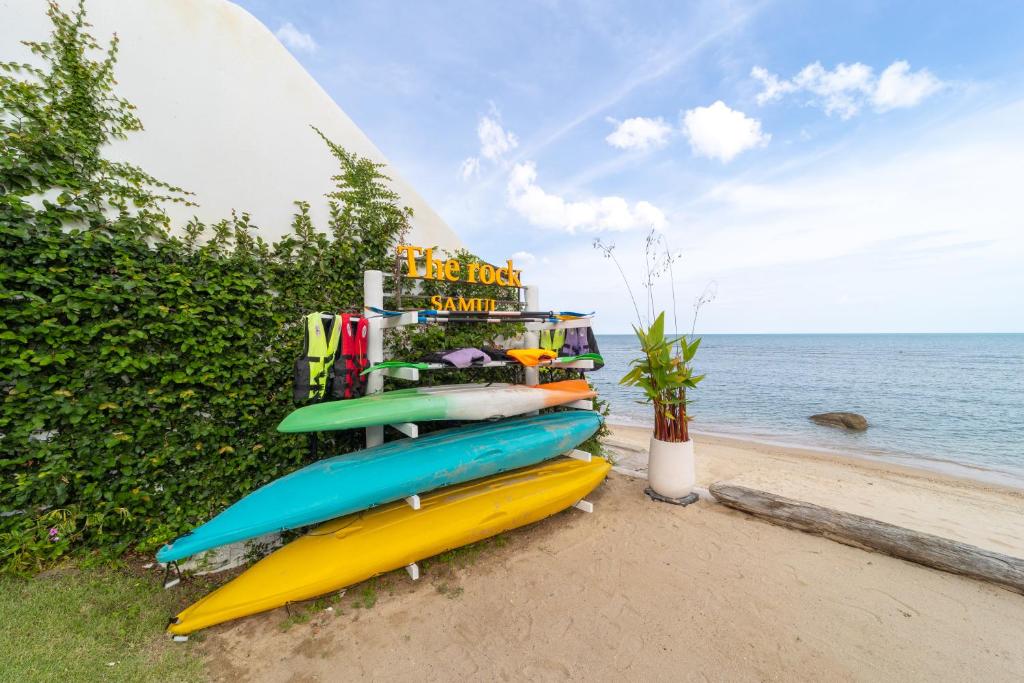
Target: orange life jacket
x=532, y=357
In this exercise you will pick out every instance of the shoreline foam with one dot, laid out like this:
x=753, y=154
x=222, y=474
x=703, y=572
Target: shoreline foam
x=984, y=514
x=911, y=461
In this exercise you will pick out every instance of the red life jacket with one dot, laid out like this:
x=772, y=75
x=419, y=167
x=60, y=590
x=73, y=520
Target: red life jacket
x=351, y=358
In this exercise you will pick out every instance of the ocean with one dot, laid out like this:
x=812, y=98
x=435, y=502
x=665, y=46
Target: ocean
x=950, y=402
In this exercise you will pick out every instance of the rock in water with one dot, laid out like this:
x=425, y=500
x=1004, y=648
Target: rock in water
x=851, y=421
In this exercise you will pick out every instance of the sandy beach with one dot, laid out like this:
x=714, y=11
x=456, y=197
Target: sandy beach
x=651, y=591
x=300, y=292
x=987, y=515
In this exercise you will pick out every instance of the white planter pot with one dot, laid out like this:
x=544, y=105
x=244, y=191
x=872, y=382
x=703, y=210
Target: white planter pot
x=670, y=468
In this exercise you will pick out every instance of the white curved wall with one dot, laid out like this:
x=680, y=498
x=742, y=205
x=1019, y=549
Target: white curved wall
x=227, y=110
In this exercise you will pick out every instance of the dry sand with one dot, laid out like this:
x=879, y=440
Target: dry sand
x=986, y=515
x=647, y=591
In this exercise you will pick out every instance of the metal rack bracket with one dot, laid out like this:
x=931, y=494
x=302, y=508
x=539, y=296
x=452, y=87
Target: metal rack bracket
x=584, y=505
x=582, y=404
x=410, y=429
x=414, y=374
x=560, y=325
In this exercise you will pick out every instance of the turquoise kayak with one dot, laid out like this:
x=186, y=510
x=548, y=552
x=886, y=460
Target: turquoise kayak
x=392, y=471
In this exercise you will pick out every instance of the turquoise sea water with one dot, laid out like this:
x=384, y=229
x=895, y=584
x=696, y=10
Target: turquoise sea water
x=945, y=401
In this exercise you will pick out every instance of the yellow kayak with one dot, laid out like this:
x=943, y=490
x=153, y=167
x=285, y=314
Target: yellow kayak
x=356, y=547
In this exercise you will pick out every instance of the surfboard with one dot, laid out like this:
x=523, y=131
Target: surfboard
x=392, y=471
x=448, y=402
x=351, y=549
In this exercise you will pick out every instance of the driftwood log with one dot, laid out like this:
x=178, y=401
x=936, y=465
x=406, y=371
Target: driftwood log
x=871, y=534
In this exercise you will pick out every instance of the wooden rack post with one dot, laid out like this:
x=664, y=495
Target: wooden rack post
x=531, y=339
x=373, y=296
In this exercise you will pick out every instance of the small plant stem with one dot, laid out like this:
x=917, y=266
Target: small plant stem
x=625, y=280
x=672, y=283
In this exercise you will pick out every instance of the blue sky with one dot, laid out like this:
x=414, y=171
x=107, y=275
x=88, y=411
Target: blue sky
x=823, y=166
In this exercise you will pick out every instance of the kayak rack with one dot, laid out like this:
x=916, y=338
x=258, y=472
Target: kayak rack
x=413, y=374
x=559, y=325
x=584, y=505
x=577, y=454
x=407, y=318
x=413, y=318
x=373, y=298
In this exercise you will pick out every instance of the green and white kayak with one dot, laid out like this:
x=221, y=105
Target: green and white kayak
x=450, y=402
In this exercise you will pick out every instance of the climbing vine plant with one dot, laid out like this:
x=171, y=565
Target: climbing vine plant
x=143, y=370
x=55, y=121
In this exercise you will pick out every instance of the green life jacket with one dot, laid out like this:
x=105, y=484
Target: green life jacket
x=319, y=346
x=552, y=340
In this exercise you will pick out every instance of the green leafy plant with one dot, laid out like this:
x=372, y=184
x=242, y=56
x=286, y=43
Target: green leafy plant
x=55, y=122
x=664, y=374
x=143, y=370
x=664, y=370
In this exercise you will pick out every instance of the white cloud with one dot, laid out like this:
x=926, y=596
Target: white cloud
x=841, y=90
x=952, y=187
x=524, y=257
x=598, y=214
x=639, y=133
x=898, y=87
x=774, y=87
x=470, y=168
x=847, y=88
x=295, y=39
x=921, y=233
x=718, y=132
x=495, y=141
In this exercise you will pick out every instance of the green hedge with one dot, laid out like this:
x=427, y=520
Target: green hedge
x=143, y=383
x=143, y=372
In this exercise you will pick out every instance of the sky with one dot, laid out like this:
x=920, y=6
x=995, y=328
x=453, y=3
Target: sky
x=811, y=166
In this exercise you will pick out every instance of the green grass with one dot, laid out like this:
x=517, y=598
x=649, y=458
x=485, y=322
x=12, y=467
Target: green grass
x=71, y=624
x=303, y=612
x=367, y=597
x=299, y=615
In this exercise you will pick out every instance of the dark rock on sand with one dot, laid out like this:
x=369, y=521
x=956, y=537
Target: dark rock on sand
x=851, y=421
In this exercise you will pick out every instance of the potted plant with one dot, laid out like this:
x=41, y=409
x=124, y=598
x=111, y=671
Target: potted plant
x=664, y=373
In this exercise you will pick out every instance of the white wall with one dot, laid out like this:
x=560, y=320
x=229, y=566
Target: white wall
x=226, y=110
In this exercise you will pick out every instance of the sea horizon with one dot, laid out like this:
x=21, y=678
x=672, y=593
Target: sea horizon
x=793, y=334
x=939, y=401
